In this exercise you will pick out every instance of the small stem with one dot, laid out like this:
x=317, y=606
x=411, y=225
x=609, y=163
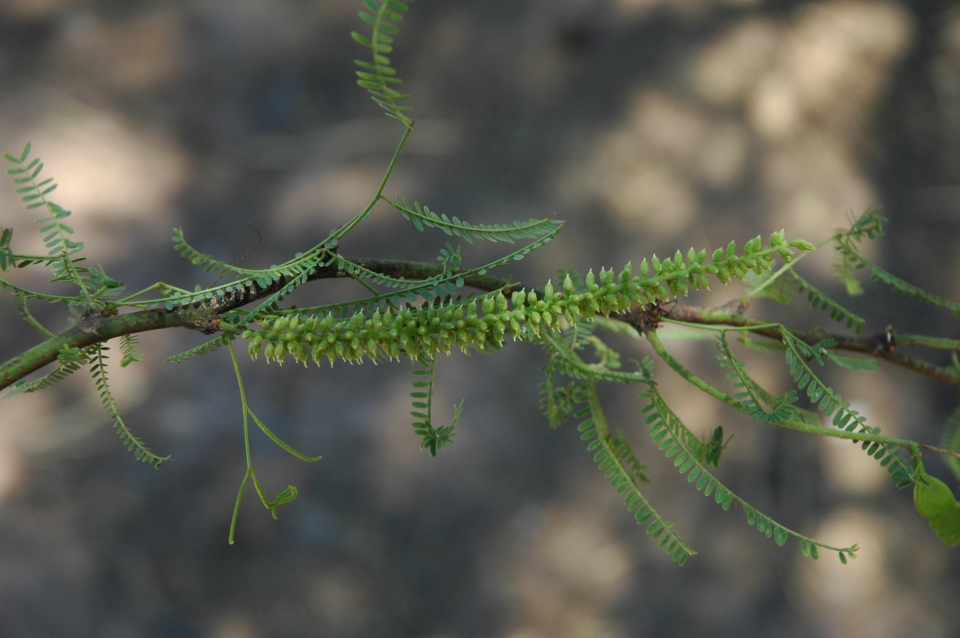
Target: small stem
x=783, y=269
x=700, y=326
x=156, y=286
x=339, y=234
x=236, y=507
x=679, y=368
x=246, y=445
x=789, y=424
x=360, y=281
x=243, y=403
x=38, y=295
x=939, y=450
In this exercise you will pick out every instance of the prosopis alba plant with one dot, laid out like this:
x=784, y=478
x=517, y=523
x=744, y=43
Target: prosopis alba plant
x=416, y=313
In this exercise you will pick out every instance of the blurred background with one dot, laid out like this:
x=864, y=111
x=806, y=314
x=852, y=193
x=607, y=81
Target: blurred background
x=650, y=125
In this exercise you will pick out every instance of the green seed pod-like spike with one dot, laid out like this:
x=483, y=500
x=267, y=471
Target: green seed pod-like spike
x=590, y=280
x=327, y=322
x=606, y=277
x=253, y=348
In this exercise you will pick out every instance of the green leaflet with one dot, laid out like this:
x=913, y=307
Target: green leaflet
x=628, y=460
x=822, y=301
x=130, y=349
x=7, y=260
x=62, y=251
x=870, y=225
x=62, y=371
x=490, y=232
x=293, y=272
x=98, y=370
x=24, y=310
x=432, y=438
x=557, y=404
x=903, y=287
x=610, y=461
x=853, y=363
x=377, y=76
x=761, y=346
x=690, y=457
x=751, y=396
x=935, y=502
x=787, y=283
x=798, y=354
x=204, y=348
x=210, y=264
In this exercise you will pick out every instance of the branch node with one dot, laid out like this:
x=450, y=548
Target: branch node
x=885, y=342
x=648, y=319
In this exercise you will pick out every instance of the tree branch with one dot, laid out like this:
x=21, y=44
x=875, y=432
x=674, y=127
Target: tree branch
x=96, y=328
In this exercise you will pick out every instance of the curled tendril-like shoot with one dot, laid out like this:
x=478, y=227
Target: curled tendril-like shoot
x=287, y=495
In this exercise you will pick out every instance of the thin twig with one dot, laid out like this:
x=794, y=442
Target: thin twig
x=245, y=255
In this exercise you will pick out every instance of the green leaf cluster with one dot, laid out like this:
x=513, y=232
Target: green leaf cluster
x=691, y=456
x=870, y=225
x=432, y=438
x=799, y=355
x=424, y=217
x=751, y=395
x=377, y=76
x=98, y=369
